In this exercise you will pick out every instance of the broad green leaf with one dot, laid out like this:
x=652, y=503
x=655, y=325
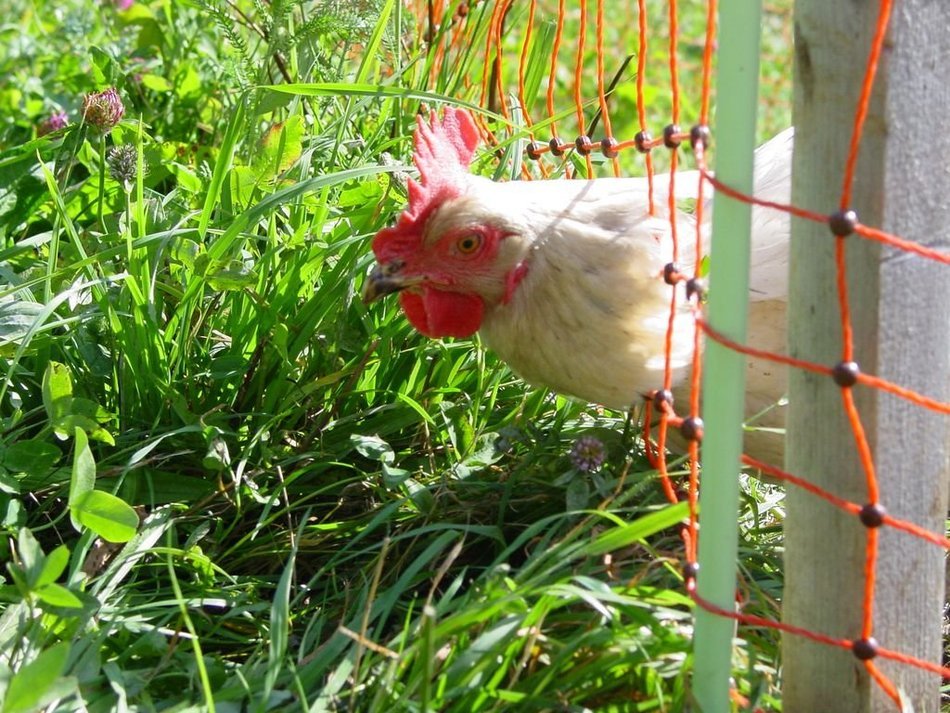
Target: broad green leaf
x=30, y=684
x=32, y=456
x=57, y=390
x=187, y=178
x=217, y=456
x=54, y=566
x=56, y=595
x=186, y=251
x=87, y=415
x=578, y=494
x=281, y=146
x=155, y=82
x=394, y=477
x=105, y=71
x=374, y=448
x=31, y=554
x=113, y=519
x=188, y=82
x=234, y=277
x=17, y=318
x=83, y=474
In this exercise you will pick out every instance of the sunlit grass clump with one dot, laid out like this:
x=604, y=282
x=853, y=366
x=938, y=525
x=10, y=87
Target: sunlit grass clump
x=224, y=482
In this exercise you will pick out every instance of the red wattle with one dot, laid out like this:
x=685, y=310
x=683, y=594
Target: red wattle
x=436, y=313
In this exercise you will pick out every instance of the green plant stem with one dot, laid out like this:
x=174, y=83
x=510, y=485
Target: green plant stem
x=725, y=368
x=102, y=181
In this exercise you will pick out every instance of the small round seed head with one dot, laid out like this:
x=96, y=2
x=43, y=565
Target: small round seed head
x=122, y=162
x=103, y=110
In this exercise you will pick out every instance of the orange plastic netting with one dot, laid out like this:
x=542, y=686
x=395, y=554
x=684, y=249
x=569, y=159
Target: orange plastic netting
x=455, y=27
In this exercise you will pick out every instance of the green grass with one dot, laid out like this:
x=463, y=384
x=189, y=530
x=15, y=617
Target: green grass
x=336, y=514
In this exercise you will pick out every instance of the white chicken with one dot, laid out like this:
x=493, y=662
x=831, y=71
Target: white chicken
x=564, y=279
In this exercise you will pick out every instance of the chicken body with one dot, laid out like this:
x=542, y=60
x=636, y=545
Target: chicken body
x=568, y=284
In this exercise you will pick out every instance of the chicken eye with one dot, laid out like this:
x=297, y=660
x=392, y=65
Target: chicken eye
x=468, y=244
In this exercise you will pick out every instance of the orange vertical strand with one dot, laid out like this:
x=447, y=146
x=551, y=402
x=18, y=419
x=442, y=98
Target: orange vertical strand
x=671, y=203
x=523, y=62
x=861, y=442
x=641, y=78
x=695, y=382
x=441, y=49
x=870, y=574
x=711, y=8
x=691, y=554
x=449, y=45
x=700, y=154
x=466, y=34
x=502, y=102
x=689, y=547
x=674, y=69
x=487, y=60
x=847, y=336
x=601, y=96
x=658, y=456
x=455, y=43
x=552, y=74
x=864, y=100
x=578, y=78
x=675, y=94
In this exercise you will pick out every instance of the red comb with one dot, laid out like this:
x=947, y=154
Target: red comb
x=443, y=151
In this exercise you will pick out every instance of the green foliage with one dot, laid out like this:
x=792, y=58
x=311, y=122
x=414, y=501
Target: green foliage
x=226, y=483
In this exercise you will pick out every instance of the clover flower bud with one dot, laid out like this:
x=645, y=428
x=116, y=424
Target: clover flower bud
x=588, y=454
x=103, y=110
x=56, y=121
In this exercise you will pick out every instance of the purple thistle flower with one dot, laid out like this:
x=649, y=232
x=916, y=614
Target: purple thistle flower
x=56, y=121
x=588, y=454
x=123, y=5
x=103, y=110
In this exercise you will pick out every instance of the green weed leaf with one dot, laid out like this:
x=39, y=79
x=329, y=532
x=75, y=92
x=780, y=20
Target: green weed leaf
x=32, y=685
x=56, y=595
x=113, y=519
x=32, y=456
x=83, y=478
x=374, y=448
x=280, y=148
x=54, y=566
x=57, y=390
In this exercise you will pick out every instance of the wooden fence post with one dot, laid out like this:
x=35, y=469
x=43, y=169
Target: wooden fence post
x=901, y=314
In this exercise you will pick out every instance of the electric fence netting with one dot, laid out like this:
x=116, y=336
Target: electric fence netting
x=610, y=127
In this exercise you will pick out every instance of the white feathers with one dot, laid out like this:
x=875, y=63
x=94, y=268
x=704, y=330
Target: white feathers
x=590, y=318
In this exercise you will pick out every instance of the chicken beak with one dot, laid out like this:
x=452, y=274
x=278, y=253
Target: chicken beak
x=385, y=280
